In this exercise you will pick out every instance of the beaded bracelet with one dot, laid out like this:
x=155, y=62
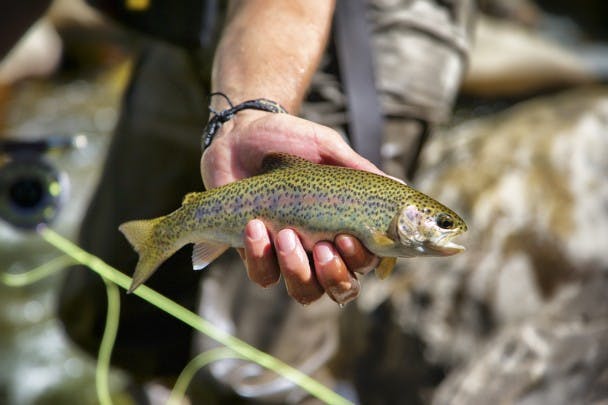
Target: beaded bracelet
x=219, y=117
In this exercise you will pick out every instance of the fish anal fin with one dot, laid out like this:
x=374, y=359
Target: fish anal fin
x=204, y=252
x=385, y=267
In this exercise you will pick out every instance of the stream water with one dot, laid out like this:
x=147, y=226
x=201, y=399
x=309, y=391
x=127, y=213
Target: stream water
x=38, y=364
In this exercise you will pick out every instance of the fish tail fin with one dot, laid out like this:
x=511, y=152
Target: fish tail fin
x=139, y=233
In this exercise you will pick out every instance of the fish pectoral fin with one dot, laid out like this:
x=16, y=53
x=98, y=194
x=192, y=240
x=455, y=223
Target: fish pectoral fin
x=385, y=267
x=205, y=252
x=382, y=240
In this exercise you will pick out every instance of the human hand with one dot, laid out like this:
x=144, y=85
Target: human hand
x=237, y=152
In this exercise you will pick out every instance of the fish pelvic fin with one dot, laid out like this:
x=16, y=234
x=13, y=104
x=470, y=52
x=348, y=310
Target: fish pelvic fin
x=385, y=267
x=139, y=234
x=205, y=252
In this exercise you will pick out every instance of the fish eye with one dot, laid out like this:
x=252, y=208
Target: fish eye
x=444, y=221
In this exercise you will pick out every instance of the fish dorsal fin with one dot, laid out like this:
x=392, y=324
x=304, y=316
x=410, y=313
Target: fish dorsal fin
x=205, y=252
x=190, y=197
x=276, y=161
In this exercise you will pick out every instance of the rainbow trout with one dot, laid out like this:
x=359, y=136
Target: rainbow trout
x=318, y=201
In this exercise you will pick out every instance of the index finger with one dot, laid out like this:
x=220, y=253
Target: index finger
x=356, y=256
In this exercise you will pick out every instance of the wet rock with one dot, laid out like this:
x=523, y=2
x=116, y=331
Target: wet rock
x=531, y=290
x=530, y=182
x=557, y=356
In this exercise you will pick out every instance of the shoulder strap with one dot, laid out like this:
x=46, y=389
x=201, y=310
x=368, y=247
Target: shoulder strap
x=352, y=38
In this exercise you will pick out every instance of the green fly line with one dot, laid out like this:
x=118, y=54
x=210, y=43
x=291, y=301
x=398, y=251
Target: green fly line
x=198, y=362
x=102, y=369
x=102, y=372
x=38, y=273
x=239, y=348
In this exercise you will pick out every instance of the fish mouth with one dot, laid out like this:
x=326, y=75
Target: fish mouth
x=444, y=248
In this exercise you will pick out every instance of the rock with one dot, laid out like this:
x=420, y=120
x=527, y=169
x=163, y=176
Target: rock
x=531, y=290
x=530, y=182
x=557, y=356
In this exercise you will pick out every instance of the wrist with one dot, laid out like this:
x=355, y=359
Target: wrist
x=220, y=117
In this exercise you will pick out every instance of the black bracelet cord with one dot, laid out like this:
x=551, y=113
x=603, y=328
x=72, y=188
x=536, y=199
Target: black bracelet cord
x=219, y=117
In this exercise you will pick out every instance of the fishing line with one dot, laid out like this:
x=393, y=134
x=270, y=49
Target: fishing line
x=198, y=362
x=102, y=368
x=37, y=273
x=102, y=371
x=238, y=346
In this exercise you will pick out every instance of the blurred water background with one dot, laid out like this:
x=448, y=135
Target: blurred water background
x=39, y=364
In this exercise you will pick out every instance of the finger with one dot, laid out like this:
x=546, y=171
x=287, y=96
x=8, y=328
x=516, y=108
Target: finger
x=300, y=280
x=262, y=266
x=333, y=275
x=356, y=256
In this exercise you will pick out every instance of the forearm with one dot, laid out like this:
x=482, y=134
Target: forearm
x=271, y=49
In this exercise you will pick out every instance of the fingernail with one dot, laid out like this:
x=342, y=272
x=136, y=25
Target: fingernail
x=286, y=241
x=256, y=230
x=347, y=292
x=323, y=254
